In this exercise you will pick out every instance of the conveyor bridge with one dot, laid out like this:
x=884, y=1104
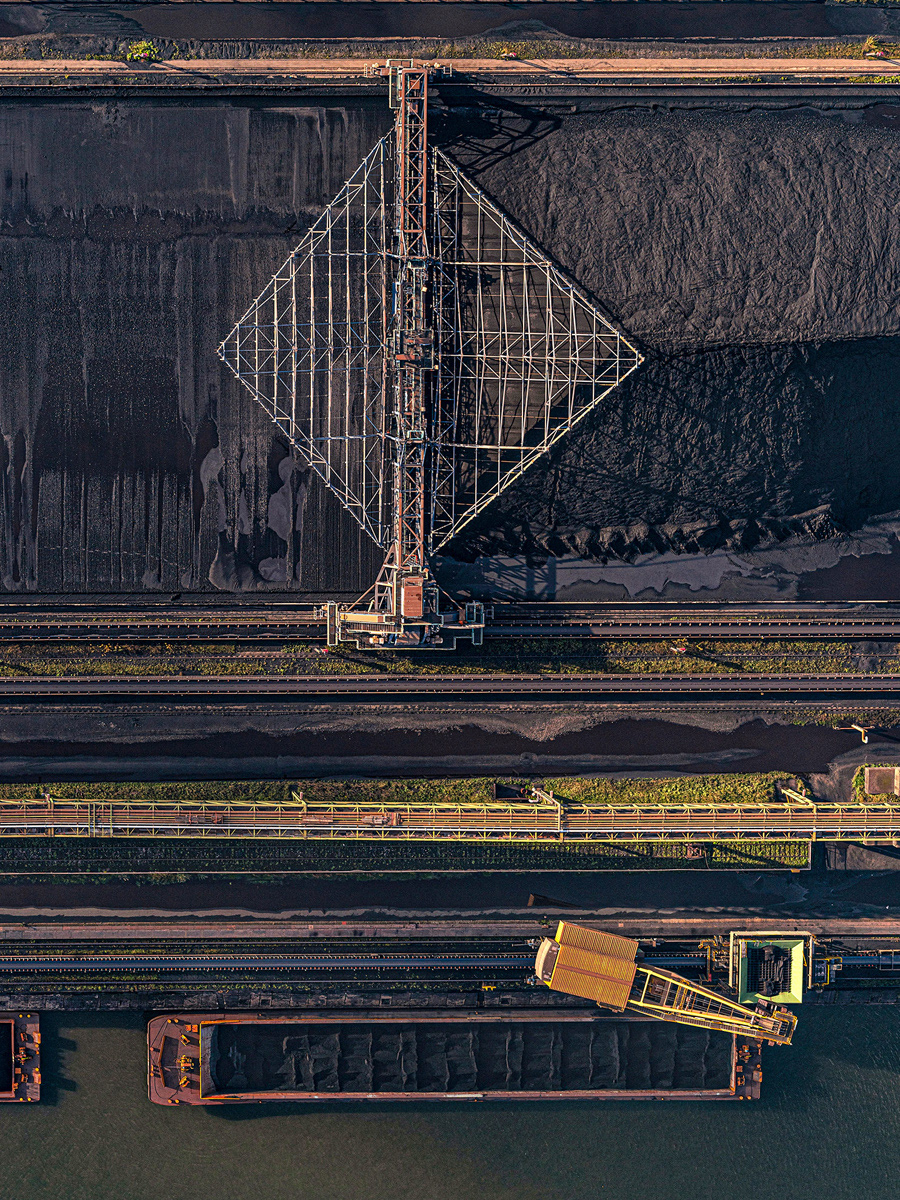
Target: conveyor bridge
x=546, y=821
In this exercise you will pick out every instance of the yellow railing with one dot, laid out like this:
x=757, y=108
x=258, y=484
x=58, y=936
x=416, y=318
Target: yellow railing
x=668, y=997
x=546, y=821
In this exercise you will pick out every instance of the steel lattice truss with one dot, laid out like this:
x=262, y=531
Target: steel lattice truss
x=521, y=354
x=311, y=346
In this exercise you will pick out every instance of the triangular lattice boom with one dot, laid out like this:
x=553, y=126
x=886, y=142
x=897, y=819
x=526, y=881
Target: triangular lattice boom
x=311, y=346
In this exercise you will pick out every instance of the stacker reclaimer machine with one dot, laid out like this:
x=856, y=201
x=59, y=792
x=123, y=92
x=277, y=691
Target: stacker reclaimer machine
x=422, y=353
x=602, y=967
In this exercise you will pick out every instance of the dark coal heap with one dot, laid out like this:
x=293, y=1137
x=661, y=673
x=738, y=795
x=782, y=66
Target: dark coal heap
x=752, y=255
x=493, y=1056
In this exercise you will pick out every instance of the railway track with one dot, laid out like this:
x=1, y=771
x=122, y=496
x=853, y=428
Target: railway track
x=309, y=962
x=876, y=619
x=378, y=688
x=523, y=960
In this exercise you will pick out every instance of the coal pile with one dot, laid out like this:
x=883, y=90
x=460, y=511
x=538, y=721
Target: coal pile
x=751, y=255
x=487, y=1056
x=132, y=238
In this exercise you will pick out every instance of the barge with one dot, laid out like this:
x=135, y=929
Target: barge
x=20, y=1058
x=247, y=1058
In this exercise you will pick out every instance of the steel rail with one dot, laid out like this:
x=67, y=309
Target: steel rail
x=444, y=686
x=284, y=962
x=881, y=619
x=177, y=962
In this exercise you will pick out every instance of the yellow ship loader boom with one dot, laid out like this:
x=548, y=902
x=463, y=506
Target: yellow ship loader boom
x=601, y=967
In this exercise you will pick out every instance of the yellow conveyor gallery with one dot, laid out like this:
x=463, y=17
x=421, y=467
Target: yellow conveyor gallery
x=602, y=967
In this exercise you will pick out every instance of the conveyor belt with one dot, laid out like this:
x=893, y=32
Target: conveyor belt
x=547, y=823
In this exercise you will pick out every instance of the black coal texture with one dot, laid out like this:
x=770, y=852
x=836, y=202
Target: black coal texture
x=741, y=448
x=493, y=1056
x=133, y=236
x=751, y=255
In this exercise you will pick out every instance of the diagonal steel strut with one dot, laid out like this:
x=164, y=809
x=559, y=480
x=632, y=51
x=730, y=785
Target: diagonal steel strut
x=407, y=607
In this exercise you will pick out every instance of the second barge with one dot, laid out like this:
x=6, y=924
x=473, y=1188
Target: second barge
x=20, y=1058
x=243, y=1058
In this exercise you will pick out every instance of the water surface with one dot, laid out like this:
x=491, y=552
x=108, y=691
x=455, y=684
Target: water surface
x=829, y=1125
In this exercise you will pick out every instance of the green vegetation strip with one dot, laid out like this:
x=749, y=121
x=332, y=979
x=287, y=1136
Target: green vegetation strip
x=731, y=789
x=530, y=656
x=173, y=860
x=144, y=53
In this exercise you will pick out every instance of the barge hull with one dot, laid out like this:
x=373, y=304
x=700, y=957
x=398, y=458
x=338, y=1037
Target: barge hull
x=247, y=1058
x=20, y=1061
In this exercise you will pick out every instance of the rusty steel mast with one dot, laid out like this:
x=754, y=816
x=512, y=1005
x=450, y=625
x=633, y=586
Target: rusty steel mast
x=406, y=608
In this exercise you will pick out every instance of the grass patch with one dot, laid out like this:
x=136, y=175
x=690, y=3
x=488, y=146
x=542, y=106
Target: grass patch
x=532, y=656
x=264, y=791
x=436, y=49
x=860, y=795
x=177, y=860
x=885, y=718
x=690, y=789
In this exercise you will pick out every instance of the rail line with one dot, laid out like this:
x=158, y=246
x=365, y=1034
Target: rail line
x=876, y=619
x=369, y=687
x=312, y=962
x=177, y=962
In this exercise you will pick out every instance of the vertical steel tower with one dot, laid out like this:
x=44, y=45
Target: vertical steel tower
x=406, y=608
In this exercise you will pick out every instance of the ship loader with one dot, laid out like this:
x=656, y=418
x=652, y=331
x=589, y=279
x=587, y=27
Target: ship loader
x=603, y=967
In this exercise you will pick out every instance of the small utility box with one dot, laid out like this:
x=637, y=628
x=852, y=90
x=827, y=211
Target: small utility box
x=882, y=781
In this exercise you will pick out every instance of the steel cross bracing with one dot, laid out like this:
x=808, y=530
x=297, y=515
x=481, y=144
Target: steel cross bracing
x=422, y=353
x=404, y=588
x=665, y=996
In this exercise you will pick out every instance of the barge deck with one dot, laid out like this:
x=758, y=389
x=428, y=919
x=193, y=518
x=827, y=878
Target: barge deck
x=20, y=1058
x=370, y=1056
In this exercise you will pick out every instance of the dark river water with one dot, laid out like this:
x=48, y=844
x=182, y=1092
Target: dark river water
x=828, y=1126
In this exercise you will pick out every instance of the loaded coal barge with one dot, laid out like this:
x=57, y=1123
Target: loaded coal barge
x=244, y=1058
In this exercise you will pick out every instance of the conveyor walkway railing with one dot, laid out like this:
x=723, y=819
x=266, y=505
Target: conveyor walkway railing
x=549, y=821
